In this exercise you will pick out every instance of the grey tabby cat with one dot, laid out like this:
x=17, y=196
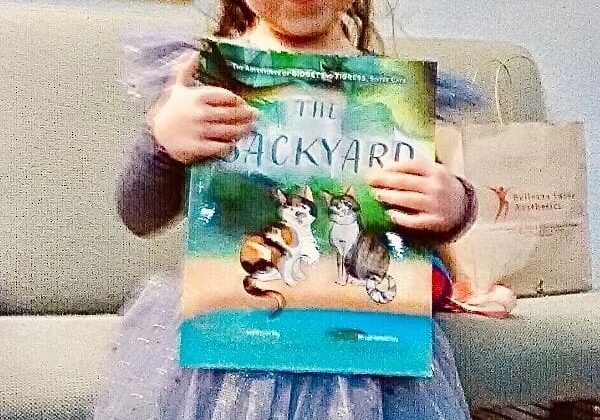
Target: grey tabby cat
x=363, y=258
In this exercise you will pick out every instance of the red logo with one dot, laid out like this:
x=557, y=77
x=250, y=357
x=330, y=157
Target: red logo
x=501, y=194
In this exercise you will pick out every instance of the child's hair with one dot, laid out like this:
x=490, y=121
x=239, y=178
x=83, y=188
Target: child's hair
x=235, y=17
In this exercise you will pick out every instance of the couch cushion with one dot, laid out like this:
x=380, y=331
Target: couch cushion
x=50, y=366
x=550, y=348
x=65, y=123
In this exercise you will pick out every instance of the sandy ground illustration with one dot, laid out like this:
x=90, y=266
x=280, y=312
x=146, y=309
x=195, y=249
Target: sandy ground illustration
x=214, y=283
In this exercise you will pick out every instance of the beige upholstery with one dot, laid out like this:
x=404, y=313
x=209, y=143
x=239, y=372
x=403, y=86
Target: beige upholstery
x=65, y=125
x=51, y=364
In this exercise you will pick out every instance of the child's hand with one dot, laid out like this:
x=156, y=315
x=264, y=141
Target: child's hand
x=421, y=195
x=195, y=123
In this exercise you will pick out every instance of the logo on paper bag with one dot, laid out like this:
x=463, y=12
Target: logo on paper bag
x=503, y=204
x=521, y=203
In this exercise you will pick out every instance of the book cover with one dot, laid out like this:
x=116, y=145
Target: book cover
x=291, y=263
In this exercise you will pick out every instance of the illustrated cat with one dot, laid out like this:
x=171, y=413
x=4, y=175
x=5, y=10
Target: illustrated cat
x=363, y=258
x=279, y=251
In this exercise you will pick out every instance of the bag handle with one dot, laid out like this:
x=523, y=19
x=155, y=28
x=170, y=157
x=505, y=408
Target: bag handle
x=501, y=65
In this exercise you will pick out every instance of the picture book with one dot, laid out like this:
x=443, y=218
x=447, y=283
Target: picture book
x=291, y=263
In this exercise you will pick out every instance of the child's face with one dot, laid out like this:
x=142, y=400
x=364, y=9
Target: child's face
x=300, y=18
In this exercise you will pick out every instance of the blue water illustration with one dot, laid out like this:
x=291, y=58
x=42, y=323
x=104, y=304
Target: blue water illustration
x=309, y=340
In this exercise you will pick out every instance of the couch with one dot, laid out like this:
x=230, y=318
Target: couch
x=67, y=264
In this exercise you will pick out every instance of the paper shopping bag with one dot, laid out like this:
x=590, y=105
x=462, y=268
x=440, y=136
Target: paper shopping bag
x=531, y=234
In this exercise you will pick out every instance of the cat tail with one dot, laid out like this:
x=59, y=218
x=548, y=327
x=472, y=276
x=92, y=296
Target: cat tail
x=381, y=289
x=251, y=287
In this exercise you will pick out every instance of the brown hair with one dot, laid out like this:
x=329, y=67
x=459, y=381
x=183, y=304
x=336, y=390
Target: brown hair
x=235, y=17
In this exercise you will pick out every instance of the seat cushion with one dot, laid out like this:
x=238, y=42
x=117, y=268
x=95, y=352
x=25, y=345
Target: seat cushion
x=550, y=348
x=50, y=366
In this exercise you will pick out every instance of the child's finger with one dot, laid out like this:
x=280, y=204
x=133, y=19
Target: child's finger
x=397, y=181
x=184, y=69
x=217, y=114
x=406, y=199
x=217, y=96
x=196, y=152
x=421, y=221
x=225, y=132
x=212, y=149
x=415, y=166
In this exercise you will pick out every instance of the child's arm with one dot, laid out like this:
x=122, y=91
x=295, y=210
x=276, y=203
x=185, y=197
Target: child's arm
x=150, y=188
x=187, y=125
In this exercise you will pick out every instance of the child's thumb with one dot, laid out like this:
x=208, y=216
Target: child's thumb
x=185, y=69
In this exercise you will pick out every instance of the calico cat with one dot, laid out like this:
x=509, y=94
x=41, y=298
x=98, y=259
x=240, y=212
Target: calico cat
x=363, y=258
x=278, y=252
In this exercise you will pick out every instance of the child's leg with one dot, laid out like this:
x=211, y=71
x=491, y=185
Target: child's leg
x=438, y=398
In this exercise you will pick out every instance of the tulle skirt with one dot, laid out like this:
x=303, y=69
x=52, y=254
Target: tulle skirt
x=142, y=379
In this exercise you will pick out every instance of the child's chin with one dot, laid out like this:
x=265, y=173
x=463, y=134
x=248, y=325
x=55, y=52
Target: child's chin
x=308, y=26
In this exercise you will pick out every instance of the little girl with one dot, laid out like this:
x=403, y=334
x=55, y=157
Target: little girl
x=192, y=124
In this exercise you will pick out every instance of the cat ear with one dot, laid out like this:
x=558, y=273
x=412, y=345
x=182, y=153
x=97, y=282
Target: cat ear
x=280, y=196
x=328, y=197
x=350, y=192
x=307, y=193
